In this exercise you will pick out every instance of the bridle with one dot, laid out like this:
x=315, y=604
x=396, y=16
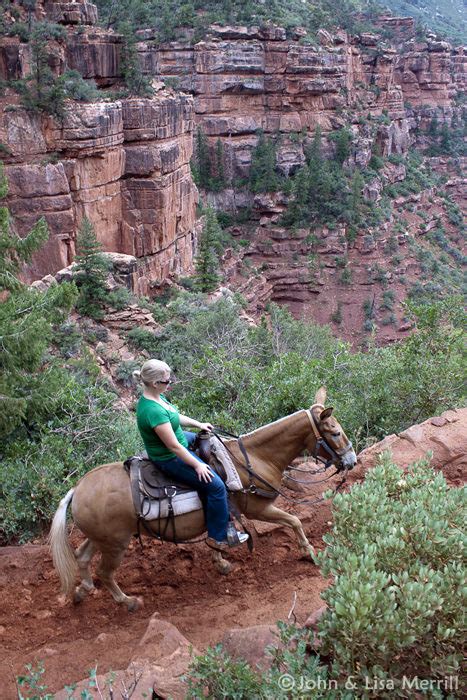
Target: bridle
x=335, y=456
x=273, y=491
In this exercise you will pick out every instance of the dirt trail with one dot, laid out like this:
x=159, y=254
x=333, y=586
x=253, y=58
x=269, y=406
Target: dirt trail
x=180, y=583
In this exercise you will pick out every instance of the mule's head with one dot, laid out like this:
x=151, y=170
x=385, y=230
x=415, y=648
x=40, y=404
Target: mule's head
x=327, y=440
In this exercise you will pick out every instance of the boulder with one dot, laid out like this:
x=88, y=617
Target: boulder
x=157, y=665
x=250, y=643
x=445, y=437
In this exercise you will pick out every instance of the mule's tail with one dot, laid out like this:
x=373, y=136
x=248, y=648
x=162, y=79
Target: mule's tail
x=62, y=554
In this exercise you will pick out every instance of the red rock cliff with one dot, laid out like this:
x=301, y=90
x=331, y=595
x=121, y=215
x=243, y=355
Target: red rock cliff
x=122, y=164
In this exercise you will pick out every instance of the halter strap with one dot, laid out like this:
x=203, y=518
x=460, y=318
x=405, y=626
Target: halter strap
x=321, y=441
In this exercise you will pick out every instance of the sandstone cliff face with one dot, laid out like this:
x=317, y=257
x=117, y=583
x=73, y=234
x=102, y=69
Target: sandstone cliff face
x=124, y=164
x=246, y=79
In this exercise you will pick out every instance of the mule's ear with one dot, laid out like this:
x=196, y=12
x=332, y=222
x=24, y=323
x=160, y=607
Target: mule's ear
x=326, y=413
x=321, y=396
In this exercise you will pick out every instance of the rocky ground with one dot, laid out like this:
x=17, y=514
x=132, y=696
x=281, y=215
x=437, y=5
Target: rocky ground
x=187, y=602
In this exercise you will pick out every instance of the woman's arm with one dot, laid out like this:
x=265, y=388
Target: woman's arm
x=166, y=434
x=187, y=422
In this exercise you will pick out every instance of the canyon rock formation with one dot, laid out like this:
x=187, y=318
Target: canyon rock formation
x=125, y=164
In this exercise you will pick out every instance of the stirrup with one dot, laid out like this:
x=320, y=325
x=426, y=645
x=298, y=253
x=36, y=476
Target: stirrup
x=225, y=545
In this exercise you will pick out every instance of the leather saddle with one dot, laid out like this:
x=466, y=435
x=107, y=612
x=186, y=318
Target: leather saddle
x=156, y=485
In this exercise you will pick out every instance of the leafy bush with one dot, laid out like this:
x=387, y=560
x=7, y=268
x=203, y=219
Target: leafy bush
x=395, y=604
x=76, y=426
x=76, y=88
x=214, y=674
x=119, y=298
x=141, y=339
x=124, y=373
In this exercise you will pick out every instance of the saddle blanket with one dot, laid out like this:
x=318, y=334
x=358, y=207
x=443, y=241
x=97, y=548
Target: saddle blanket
x=185, y=502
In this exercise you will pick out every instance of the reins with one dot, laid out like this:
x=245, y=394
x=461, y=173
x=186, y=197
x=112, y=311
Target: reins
x=253, y=489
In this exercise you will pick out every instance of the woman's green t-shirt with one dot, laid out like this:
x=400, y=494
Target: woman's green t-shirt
x=150, y=414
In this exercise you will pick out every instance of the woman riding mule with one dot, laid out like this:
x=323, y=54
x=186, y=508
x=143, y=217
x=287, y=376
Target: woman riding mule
x=167, y=446
x=103, y=510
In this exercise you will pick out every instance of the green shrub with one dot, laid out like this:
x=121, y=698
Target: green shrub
x=75, y=427
x=76, y=88
x=68, y=338
x=119, y=298
x=142, y=339
x=124, y=372
x=346, y=276
x=215, y=675
x=395, y=555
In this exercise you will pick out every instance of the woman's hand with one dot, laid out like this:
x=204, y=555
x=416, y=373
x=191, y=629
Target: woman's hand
x=203, y=473
x=206, y=426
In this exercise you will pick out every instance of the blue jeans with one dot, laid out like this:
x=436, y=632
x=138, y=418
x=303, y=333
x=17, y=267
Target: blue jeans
x=213, y=493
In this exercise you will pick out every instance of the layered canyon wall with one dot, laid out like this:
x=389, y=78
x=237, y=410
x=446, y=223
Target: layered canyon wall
x=249, y=79
x=123, y=164
x=385, y=91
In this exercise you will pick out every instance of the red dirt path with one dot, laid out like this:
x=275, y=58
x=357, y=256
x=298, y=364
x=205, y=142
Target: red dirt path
x=181, y=583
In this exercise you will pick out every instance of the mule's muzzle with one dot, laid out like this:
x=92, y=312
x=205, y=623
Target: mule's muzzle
x=348, y=460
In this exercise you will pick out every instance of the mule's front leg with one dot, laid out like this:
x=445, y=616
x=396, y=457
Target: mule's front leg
x=271, y=514
x=221, y=564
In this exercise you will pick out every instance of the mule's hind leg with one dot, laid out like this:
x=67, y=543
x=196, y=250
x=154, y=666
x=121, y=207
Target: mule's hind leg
x=110, y=560
x=271, y=514
x=83, y=555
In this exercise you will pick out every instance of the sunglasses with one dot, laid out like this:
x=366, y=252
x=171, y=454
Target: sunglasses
x=169, y=381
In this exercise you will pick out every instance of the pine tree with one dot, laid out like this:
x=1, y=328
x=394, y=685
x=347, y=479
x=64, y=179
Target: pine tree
x=342, y=139
x=90, y=272
x=218, y=179
x=14, y=251
x=207, y=261
x=263, y=176
x=136, y=82
x=26, y=318
x=42, y=91
x=202, y=161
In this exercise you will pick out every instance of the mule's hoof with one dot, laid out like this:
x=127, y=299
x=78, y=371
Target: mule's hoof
x=308, y=554
x=135, y=604
x=78, y=596
x=224, y=567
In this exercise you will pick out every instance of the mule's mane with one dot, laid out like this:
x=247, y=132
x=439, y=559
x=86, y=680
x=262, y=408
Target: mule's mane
x=260, y=435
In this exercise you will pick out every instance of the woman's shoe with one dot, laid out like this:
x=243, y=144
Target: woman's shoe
x=225, y=545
